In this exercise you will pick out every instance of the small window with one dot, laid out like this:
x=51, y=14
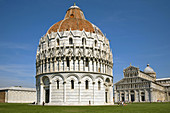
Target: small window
x=99, y=85
x=95, y=43
x=72, y=16
x=58, y=42
x=70, y=41
x=72, y=84
x=87, y=62
x=83, y=41
x=87, y=84
x=68, y=62
x=57, y=84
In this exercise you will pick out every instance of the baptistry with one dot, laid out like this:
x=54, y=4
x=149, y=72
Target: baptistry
x=74, y=63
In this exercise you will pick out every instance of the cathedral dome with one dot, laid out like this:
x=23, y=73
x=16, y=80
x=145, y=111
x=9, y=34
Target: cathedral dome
x=148, y=69
x=74, y=20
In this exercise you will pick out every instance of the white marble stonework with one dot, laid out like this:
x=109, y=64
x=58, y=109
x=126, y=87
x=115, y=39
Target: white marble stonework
x=141, y=86
x=19, y=95
x=74, y=65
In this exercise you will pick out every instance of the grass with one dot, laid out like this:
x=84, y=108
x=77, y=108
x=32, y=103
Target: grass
x=130, y=108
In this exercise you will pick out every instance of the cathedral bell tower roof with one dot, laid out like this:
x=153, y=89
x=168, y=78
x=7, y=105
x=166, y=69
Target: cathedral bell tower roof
x=75, y=20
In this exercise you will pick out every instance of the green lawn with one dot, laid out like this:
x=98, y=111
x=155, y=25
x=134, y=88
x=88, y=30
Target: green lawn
x=130, y=108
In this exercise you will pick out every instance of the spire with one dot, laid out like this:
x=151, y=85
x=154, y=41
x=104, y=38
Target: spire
x=74, y=3
x=130, y=64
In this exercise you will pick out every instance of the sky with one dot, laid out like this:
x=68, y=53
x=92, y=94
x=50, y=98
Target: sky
x=138, y=30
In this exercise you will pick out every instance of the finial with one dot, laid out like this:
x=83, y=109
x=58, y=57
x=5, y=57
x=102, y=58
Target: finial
x=74, y=3
x=147, y=65
x=130, y=64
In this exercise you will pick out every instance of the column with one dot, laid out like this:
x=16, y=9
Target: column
x=136, y=95
x=55, y=64
x=50, y=90
x=41, y=66
x=115, y=94
x=146, y=97
x=125, y=96
x=44, y=66
x=51, y=65
x=79, y=59
x=139, y=96
x=84, y=60
x=79, y=91
x=47, y=63
x=106, y=68
x=101, y=66
x=94, y=65
x=65, y=65
x=90, y=65
x=129, y=96
x=104, y=71
x=41, y=93
x=151, y=94
x=120, y=95
x=64, y=92
x=93, y=92
x=111, y=94
x=59, y=64
x=71, y=64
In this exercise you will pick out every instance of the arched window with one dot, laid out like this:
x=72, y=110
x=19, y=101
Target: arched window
x=68, y=62
x=95, y=43
x=87, y=62
x=99, y=85
x=72, y=16
x=108, y=80
x=70, y=41
x=87, y=84
x=83, y=41
x=72, y=84
x=58, y=42
x=58, y=84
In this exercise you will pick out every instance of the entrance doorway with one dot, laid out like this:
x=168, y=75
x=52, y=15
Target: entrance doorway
x=132, y=93
x=47, y=96
x=123, y=98
x=132, y=97
x=142, y=96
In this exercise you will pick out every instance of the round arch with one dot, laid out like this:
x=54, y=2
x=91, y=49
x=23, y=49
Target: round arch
x=78, y=78
x=88, y=76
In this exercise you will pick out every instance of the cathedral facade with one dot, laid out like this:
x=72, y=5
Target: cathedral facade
x=141, y=86
x=74, y=63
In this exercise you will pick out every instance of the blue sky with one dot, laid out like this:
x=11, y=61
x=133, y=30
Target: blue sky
x=138, y=30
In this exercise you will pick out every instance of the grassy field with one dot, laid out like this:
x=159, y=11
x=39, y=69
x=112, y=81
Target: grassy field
x=130, y=108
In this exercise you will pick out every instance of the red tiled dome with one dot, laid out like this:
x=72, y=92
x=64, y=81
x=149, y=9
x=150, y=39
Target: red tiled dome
x=74, y=20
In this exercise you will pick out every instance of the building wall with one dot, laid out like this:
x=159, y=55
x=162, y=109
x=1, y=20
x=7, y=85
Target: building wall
x=2, y=96
x=79, y=95
x=158, y=96
x=17, y=96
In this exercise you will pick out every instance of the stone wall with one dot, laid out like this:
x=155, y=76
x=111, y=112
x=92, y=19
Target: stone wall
x=20, y=96
x=2, y=96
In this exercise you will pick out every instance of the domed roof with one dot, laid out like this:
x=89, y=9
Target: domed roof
x=148, y=69
x=74, y=20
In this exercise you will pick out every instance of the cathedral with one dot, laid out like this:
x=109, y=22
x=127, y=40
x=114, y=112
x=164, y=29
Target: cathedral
x=74, y=63
x=141, y=86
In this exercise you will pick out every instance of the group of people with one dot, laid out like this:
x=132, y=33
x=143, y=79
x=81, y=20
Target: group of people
x=121, y=103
